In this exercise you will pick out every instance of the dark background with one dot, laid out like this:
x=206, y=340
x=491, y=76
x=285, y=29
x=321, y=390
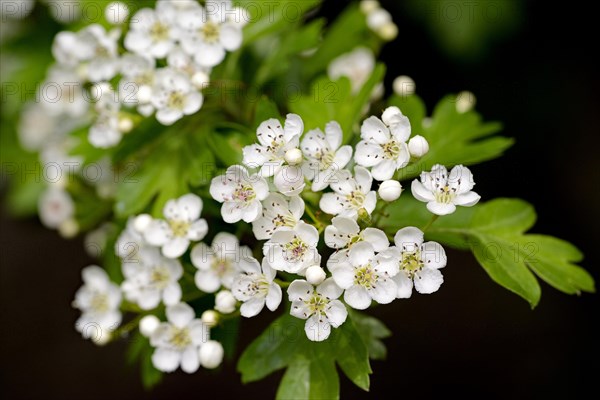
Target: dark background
x=471, y=337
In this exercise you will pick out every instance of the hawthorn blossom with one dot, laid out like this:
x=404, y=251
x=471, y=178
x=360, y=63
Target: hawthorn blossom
x=366, y=276
x=255, y=287
x=99, y=300
x=420, y=263
x=105, y=131
x=278, y=213
x=174, y=96
x=152, y=279
x=218, y=265
x=138, y=82
x=240, y=193
x=182, y=225
x=178, y=341
x=344, y=233
x=55, y=206
x=319, y=306
x=324, y=155
x=351, y=195
x=151, y=33
x=356, y=65
x=443, y=192
x=293, y=250
x=383, y=146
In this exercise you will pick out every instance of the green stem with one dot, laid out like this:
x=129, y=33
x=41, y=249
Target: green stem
x=314, y=218
x=193, y=296
x=128, y=327
x=431, y=221
x=281, y=283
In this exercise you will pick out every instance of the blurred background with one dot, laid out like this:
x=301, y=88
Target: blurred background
x=529, y=65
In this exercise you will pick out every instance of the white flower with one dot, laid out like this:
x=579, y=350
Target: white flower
x=105, y=131
x=178, y=341
x=225, y=303
x=148, y=325
x=383, y=145
x=351, y=195
x=116, y=12
x=366, y=276
x=319, y=306
x=315, y=275
x=130, y=242
x=99, y=300
x=240, y=194
x=137, y=83
x=345, y=232
x=152, y=279
x=390, y=190
x=211, y=354
x=183, y=62
x=443, y=191
x=62, y=94
x=380, y=21
x=255, y=287
x=404, y=86
x=278, y=213
x=357, y=66
x=36, y=127
x=208, y=34
x=182, y=225
x=174, y=96
x=218, y=265
x=324, y=154
x=295, y=250
x=275, y=141
x=419, y=263
x=55, y=206
x=151, y=33
x=418, y=146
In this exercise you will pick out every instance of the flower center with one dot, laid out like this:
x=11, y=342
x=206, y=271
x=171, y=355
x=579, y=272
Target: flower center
x=159, y=32
x=244, y=194
x=159, y=278
x=210, y=32
x=295, y=250
x=365, y=276
x=180, y=338
x=284, y=220
x=257, y=287
x=317, y=304
x=391, y=150
x=179, y=228
x=356, y=199
x=101, y=52
x=221, y=266
x=411, y=263
x=145, y=78
x=99, y=303
x=445, y=194
x=326, y=159
x=176, y=100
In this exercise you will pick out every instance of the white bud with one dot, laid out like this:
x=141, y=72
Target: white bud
x=144, y=94
x=101, y=338
x=211, y=354
x=404, y=85
x=418, y=146
x=69, y=228
x=148, y=325
x=378, y=18
x=141, y=222
x=388, y=32
x=465, y=101
x=200, y=79
x=210, y=318
x=125, y=124
x=368, y=6
x=390, y=190
x=390, y=115
x=116, y=13
x=293, y=156
x=315, y=275
x=225, y=302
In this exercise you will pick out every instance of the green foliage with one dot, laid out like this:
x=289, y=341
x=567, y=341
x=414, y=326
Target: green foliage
x=371, y=331
x=311, y=371
x=496, y=234
x=140, y=349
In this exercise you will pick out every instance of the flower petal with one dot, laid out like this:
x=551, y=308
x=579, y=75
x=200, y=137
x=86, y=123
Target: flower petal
x=368, y=154
x=175, y=247
x=385, y=291
x=377, y=238
x=180, y=314
x=207, y=281
x=467, y=199
x=197, y=230
x=166, y=360
x=433, y=255
x=230, y=37
x=299, y=290
x=252, y=307
x=334, y=135
x=441, y=208
x=421, y=193
x=299, y=309
x=357, y=297
x=384, y=170
x=336, y=313
x=375, y=131
x=404, y=285
x=157, y=233
x=190, y=360
x=317, y=328
x=293, y=126
x=231, y=212
x=408, y=238
x=274, y=297
x=361, y=253
x=428, y=281
x=172, y=294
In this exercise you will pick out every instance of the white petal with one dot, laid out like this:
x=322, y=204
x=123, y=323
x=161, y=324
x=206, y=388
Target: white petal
x=433, y=255
x=190, y=361
x=252, y=307
x=335, y=239
x=370, y=202
x=95, y=277
x=157, y=233
x=428, y=281
x=400, y=127
x=467, y=199
x=421, y=193
x=408, y=238
x=193, y=102
x=336, y=313
x=334, y=135
x=329, y=289
x=261, y=187
x=274, y=297
x=252, y=212
x=180, y=314
x=361, y=253
x=166, y=360
x=404, y=285
x=461, y=179
x=249, y=265
x=368, y=154
x=202, y=256
x=317, y=328
x=172, y=294
x=342, y=157
x=440, y=208
x=363, y=178
x=207, y=281
x=231, y=212
x=299, y=290
x=374, y=130
x=148, y=299
x=199, y=333
x=254, y=155
x=175, y=247
x=384, y=291
x=331, y=204
x=357, y=297
x=209, y=55
x=268, y=270
x=296, y=206
x=168, y=116
x=198, y=230
x=231, y=37
x=384, y=170
x=377, y=238
x=299, y=309
x=293, y=126
x=269, y=131
x=386, y=264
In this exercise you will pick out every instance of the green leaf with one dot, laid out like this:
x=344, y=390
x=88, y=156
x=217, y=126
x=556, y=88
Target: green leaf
x=372, y=330
x=311, y=371
x=496, y=234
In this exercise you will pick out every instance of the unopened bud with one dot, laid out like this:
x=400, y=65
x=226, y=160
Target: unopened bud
x=404, y=86
x=211, y=354
x=148, y=325
x=315, y=275
x=293, y=156
x=141, y=222
x=465, y=101
x=225, y=302
x=210, y=318
x=390, y=190
x=418, y=146
x=116, y=13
